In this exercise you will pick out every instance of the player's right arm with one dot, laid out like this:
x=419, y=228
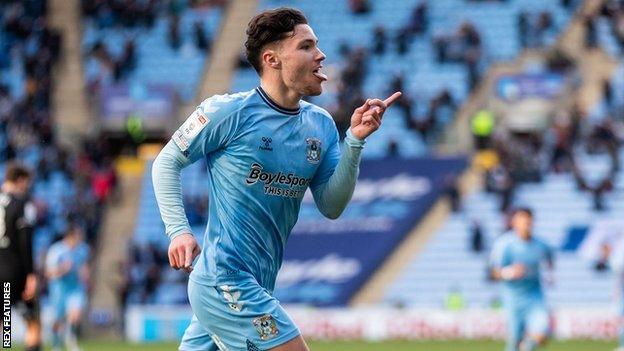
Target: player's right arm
x=210, y=127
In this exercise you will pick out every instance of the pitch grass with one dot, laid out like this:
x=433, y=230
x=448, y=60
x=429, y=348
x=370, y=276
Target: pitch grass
x=582, y=345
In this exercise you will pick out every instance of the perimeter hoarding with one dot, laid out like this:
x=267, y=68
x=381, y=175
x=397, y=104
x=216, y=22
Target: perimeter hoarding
x=159, y=323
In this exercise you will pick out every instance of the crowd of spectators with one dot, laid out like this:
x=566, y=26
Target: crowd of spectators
x=559, y=150
x=27, y=130
x=440, y=108
x=536, y=30
x=135, y=17
x=111, y=69
x=143, y=273
x=464, y=46
x=416, y=25
x=526, y=157
x=130, y=14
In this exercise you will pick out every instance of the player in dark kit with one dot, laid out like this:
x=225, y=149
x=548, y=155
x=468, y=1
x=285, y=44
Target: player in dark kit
x=16, y=219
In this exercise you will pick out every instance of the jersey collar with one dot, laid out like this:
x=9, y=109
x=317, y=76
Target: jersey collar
x=272, y=104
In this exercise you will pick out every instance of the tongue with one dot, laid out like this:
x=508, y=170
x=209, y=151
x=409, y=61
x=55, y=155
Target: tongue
x=321, y=76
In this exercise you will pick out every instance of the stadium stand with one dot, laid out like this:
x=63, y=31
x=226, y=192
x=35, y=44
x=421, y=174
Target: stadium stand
x=435, y=41
x=67, y=184
x=150, y=42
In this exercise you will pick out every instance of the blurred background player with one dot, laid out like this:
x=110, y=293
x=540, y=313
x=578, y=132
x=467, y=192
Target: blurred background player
x=17, y=216
x=516, y=260
x=67, y=272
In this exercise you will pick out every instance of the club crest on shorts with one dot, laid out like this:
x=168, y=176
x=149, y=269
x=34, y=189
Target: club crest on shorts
x=266, y=327
x=313, y=150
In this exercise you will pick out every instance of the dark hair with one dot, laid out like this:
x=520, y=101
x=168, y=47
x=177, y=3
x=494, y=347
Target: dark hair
x=524, y=210
x=16, y=171
x=268, y=27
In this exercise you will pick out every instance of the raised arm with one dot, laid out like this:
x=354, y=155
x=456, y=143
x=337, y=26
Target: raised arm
x=331, y=197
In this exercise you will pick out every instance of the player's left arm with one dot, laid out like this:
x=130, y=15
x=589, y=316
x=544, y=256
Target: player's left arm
x=333, y=186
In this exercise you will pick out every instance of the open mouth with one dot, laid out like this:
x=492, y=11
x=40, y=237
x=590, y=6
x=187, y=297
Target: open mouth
x=320, y=75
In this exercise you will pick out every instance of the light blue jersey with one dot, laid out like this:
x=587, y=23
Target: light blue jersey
x=58, y=254
x=523, y=298
x=510, y=249
x=261, y=158
x=67, y=291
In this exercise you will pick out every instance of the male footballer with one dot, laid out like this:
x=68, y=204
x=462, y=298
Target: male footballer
x=263, y=149
x=516, y=260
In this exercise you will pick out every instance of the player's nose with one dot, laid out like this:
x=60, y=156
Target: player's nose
x=320, y=56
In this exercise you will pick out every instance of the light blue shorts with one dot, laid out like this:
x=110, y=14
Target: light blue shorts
x=236, y=317
x=63, y=301
x=531, y=319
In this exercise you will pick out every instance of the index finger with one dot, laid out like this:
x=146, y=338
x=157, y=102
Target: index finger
x=389, y=101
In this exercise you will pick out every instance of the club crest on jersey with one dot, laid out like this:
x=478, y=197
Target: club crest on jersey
x=266, y=327
x=313, y=150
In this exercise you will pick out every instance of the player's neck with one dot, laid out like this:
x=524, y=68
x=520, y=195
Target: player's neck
x=281, y=95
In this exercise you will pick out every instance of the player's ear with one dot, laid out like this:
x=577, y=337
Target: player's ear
x=271, y=59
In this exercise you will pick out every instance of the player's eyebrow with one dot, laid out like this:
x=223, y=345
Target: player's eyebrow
x=309, y=41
